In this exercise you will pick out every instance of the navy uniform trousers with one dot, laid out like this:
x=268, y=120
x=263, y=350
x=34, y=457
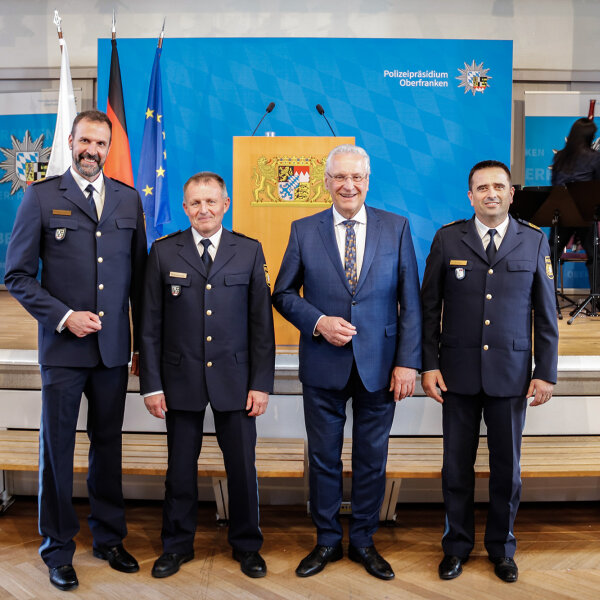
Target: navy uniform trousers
x=325, y=416
x=105, y=390
x=235, y=430
x=461, y=417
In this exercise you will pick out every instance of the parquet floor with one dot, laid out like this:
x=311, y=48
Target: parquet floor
x=558, y=558
x=18, y=330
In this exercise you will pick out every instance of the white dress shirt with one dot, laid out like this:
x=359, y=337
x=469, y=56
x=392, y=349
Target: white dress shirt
x=482, y=230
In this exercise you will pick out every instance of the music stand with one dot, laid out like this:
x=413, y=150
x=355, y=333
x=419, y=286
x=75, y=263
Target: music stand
x=556, y=208
x=586, y=196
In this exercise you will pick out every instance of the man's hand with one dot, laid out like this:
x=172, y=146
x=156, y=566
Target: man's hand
x=135, y=364
x=82, y=323
x=257, y=403
x=542, y=391
x=403, y=382
x=431, y=381
x=336, y=330
x=156, y=405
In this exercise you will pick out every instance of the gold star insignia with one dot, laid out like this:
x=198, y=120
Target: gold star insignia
x=158, y=118
x=147, y=190
x=160, y=172
x=149, y=114
x=165, y=154
x=163, y=135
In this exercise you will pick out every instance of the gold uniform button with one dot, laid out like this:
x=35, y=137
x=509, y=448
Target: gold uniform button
x=491, y=271
x=489, y=296
x=101, y=313
x=101, y=286
x=98, y=233
x=209, y=338
x=100, y=259
x=486, y=347
x=209, y=364
x=487, y=321
x=208, y=286
x=209, y=312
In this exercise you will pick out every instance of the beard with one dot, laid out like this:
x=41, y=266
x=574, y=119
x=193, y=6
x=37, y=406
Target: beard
x=87, y=170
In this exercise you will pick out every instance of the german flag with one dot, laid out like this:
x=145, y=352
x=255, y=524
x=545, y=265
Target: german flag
x=118, y=162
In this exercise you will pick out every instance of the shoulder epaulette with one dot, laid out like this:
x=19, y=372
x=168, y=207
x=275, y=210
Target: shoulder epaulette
x=45, y=179
x=122, y=183
x=164, y=237
x=244, y=236
x=524, y=222
x=454, y=223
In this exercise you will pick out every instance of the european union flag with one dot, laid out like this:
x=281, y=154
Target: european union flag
x=152, y=172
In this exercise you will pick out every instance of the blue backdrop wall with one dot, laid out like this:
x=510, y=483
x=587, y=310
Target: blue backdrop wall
x=423, y=109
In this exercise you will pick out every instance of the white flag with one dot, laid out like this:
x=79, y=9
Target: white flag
x=60, y=158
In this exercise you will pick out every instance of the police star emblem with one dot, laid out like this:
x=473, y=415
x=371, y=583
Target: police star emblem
x=25, y=162
x=60, y=234
x=459, y=273
x=474, y=78
x=175, y=290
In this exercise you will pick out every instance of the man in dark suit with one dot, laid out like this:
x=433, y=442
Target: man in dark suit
x=360, y=326
x=207, y=337
x=88, y=231
x=485, y=276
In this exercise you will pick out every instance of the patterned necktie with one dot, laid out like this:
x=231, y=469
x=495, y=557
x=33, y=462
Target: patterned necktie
x=491, y=249
x=90, y=190
x=206, y=257
x=350, y=254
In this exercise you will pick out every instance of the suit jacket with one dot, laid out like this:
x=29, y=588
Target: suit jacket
x=86, y=265
x=485, y=337
x=207, y=334
x=385, y=307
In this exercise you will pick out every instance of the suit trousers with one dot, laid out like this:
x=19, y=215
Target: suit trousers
x=236, y=434
x=505, y=419
x=105, y=390
x=325, y=416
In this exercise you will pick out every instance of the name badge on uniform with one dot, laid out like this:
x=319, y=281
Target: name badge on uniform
x=60, y=234
x=175, y=290
x=459, y=273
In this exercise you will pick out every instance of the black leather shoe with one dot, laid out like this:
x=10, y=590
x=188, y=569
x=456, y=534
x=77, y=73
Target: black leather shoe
x=505, y=568
x=118, y=558
x=252, y=563
x=451, y=566
x=315, y=561
x=372, y=561
x=168, y=563
x=64, y=578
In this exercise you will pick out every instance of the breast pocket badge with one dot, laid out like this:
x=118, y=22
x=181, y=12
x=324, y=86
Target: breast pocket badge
x=459, y=273
x=175, y=290
x=60, y=234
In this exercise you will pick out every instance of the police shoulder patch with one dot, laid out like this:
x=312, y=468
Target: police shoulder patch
x=454, y=223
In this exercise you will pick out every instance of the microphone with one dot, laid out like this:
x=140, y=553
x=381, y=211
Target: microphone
x=321, y=111
x=269, y=109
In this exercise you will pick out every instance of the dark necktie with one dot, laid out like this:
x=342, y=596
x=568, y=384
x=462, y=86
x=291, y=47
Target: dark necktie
x=350, y=255
x=90, y=190
x=491, y=249
x=206, y=257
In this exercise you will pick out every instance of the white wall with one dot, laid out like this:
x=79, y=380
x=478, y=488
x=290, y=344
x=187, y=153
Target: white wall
x=547, y=34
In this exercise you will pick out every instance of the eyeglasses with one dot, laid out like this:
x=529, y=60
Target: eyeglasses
x=356, y=178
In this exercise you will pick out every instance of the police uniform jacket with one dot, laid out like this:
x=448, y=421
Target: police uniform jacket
x=207, y=332
x=87, y=265
x=385, y=307
x=486, y=310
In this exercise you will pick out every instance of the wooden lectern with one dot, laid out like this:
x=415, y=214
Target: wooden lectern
x=275, y=181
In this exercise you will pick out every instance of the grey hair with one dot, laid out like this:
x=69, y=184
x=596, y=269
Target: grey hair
x=349, y=149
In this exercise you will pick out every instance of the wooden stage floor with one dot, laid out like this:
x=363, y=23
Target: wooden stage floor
x=558, y=558
x=18, y=330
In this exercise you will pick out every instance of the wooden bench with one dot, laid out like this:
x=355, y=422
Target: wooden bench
x=542, y=456
x=146, y=454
